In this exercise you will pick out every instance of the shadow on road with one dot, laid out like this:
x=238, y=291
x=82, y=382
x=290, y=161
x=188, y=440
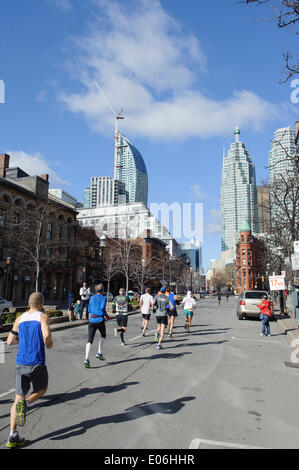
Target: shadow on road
x=134, y=412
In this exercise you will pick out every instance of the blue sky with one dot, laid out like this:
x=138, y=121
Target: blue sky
x=186, y=72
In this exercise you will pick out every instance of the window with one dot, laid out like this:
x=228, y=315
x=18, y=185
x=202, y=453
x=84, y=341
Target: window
x=59, y=231
x=50, y=232
x=16, y=218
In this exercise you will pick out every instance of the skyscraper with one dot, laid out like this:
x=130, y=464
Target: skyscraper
x=105, y=191
x=130, y=169
x=238, y=196
x=283, y=147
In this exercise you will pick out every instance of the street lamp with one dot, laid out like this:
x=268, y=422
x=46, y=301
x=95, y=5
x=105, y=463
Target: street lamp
x=191, y=272
x=281, y=301
x=142, y=280
x=103, y=244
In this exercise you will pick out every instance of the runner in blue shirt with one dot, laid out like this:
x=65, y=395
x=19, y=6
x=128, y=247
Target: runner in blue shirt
x=97, y=316
x=172, y=313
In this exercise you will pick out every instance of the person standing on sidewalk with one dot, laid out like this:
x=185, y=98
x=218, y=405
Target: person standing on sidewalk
x=265, y=316
x=85, y=296
x=146, y=304
x=31, y=331
x=97, y=316
x=121, y=303
x=219, y=296
x=162, y=303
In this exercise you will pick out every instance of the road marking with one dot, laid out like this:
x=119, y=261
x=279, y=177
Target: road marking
x=195, y=444
x=140, y=336
x=256, y=340
x=8, y=393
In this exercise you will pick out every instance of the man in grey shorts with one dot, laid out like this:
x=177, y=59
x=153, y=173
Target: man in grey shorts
x=162, y=304
x=31, y=331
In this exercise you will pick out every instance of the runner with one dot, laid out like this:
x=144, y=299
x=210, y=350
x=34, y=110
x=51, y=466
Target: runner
x=189, y=305
x=121, y=303
x=172, y=313
x=146, y=304
x=219, y=296
x=31, y=331
x=161, y=302
x=98, y=314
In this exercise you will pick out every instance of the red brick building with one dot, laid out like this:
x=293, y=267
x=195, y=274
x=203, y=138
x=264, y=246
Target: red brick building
x=249, y=260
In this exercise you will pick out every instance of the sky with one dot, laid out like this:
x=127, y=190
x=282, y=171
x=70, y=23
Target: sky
x=186, y=72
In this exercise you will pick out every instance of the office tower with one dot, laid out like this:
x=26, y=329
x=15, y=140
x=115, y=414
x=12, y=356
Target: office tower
x=238, y=195
x=281, y=153
x=130, y=169
x=105, y=191
x=263, y=206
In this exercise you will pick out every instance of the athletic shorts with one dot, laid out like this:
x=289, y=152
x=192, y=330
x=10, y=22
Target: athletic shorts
x=25, y=376
x=162, y=321
x=188, y=313
x=173, y=313
x=122, y=320
x=93, y=327
x=146, y=316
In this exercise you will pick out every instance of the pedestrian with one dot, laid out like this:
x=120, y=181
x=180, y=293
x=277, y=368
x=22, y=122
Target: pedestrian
x=70, y=306
x=77, y=310
x=32, y=333
x=172, y=313
x=161, y=302
x=219, y=296
x=97, y=316
x=146, y=304
x=227, y=295
x=265, y=316
x=121, y=303
x=189, y=305
x=85, y=296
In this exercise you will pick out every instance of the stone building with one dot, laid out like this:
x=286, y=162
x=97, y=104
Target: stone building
x=42, y=245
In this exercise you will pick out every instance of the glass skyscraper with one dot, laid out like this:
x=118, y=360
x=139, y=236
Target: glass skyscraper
x=281, y=153
x=238, y=194
x=130, y=169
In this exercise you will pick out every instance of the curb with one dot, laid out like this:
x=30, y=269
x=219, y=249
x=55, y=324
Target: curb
x=289, y=328
x=66, y=325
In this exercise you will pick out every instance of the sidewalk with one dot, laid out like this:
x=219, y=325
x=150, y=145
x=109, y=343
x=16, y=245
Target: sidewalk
x=289, y=327
x=64, y=324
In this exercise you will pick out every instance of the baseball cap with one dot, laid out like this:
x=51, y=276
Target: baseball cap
x=163, y=289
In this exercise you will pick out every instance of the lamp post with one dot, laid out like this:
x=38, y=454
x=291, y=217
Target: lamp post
x=103, y=244
x=281, y=301
x=191, y=272
x=6, y=284
x=142, y=273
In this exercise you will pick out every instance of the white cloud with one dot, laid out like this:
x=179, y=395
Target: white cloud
x=148, y=65
x=214, y=225
x=197, y=192
x=64, y=5
x=35, y=164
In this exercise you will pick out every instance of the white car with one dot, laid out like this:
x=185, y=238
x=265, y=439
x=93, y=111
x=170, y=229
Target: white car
x=5, y=307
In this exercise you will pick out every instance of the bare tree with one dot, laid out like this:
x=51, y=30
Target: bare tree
x=110, y=263
x=127, y=253
x=286, y=14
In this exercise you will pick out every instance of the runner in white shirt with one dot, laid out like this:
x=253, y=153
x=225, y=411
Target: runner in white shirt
x=146, y=304
x=85, y=295
x=189, y=305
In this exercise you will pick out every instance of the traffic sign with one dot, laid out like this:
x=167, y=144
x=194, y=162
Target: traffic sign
x=276, y=282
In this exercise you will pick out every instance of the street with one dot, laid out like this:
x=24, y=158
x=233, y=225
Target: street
x=222, y=386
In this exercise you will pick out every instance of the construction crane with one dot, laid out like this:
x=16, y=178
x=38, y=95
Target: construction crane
x=118, y=117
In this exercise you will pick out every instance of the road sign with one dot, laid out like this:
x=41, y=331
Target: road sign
x=276, y=282
x=296, y=246
x=295, y=261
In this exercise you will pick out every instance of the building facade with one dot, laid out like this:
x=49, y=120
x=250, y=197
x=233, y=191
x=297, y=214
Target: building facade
x=192, y=252
x=263, y=207
x=283, y=147
x=249, y=260
x=130, y=169
x=105, y=191
x=238, y=195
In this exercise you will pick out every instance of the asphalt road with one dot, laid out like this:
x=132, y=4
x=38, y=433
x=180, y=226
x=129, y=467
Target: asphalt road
x=223, y=386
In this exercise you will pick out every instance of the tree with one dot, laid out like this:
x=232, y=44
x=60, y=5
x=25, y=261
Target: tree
x=127, y=254
x=110, y=263
x=286, y=15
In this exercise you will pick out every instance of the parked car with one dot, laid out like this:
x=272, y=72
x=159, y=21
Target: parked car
x=249, y=301
x=5, y=307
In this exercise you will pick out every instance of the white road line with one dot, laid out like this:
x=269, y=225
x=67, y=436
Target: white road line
x=140, y=336
x=8, y=393
x=195, y=444
x=256, y=340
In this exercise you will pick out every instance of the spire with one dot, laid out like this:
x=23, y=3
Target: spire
x=237, y=133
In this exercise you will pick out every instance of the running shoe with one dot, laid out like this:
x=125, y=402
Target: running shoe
x=123, y=343
x=159, y=346
x=100, y=356
x=262, y=334
x=16, y=441
x=21, y=408
x=143, y=334
x=87, y=363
